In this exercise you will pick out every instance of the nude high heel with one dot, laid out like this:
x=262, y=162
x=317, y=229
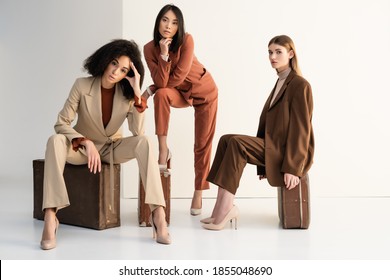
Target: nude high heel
x=231, y=215
x=208, y=220
x=166, y=240
x=50, y=243
x=165, y=168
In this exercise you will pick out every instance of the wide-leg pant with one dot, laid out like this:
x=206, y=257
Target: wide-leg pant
x=205, y=107
x=233, y=153
x=59, y=151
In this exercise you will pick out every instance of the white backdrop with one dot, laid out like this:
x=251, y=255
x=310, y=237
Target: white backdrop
x=342, y=46
x=43, y=44
x=343, y=51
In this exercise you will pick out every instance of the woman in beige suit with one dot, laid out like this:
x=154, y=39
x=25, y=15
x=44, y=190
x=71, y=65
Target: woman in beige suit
x=180, y=81
x=102, y=102
x=284, y=146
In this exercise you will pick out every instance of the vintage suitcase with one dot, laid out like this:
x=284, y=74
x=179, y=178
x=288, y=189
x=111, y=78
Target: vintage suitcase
x=93, y=204
x=144, y=210
x=294, y=206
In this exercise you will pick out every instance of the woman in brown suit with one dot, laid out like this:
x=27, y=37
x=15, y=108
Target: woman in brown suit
x=284, y=146
x=180, y=81
x=102, y=102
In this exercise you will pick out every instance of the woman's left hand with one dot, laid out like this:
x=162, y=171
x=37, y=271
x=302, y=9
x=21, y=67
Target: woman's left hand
x=135, y=81
x=291, y=181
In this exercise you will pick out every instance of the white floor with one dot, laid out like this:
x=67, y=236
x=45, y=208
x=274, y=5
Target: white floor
x=341, y=228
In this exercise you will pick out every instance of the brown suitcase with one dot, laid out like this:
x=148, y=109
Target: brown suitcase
x=144, y=210
x=92, y=202
x=294, y=206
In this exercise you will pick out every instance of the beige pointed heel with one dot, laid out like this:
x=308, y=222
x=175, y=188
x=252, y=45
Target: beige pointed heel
x=208, y=220
x=50, y=243
x=166, y=240
x=233, y=214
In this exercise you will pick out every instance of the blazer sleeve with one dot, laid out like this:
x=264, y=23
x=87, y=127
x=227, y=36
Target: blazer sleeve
x=160, y=69
x=68, y=113
x=299, y=130
x=136, y=120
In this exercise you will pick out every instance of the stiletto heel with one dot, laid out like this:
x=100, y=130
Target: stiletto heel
x=165, y=168
x=209, y=220
x=231, y=215
x=159, y=238
x=50, y=243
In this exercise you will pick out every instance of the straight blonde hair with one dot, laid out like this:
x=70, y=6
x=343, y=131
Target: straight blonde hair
x=287, y=42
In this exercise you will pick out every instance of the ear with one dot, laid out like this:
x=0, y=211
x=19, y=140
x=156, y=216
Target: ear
x=291, y=54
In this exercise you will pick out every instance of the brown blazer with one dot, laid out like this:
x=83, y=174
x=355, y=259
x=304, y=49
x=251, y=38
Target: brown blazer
x=182, y=71
x=85, y=101
x=287, y=131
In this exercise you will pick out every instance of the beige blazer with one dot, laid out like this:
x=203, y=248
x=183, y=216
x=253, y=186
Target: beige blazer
x=287, y=131
x=85, y=101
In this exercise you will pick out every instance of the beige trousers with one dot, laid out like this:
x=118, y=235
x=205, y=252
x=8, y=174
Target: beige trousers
x=59, y=151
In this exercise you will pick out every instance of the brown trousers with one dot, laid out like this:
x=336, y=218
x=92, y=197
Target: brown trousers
x=233, y=153
x=205, y=118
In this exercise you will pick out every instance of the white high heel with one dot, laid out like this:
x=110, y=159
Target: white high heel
x=196, y=211
x=165, y=168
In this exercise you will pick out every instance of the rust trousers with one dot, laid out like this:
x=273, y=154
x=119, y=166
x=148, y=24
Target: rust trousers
x=205, y=106
x=233, y=153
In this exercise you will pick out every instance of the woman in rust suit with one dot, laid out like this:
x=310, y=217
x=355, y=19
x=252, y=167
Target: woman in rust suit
x=180, y=81
x=283, y=148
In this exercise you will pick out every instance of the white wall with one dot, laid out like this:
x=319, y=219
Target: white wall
x=43, y=44
x=342, y=46
x=343, y=51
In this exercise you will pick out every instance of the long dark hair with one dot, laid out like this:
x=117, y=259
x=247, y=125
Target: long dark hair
x=97, y=63
x=178, y=39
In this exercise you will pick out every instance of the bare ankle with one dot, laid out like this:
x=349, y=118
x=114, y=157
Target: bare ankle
x=50, y=214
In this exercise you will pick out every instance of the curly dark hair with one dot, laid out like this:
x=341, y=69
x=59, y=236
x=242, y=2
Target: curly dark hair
x=178, y=39
x=97, y=63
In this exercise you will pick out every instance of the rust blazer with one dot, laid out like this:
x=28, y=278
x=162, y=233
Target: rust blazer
x=286, y=128
x=182, y=71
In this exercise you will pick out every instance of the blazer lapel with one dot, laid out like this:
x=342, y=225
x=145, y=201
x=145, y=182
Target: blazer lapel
x=282, y=89
x=120, y=107
x=268, y=101
x=94, y=104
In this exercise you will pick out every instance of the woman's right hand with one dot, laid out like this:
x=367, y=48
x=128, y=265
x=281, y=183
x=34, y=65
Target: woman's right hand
x=135, y=82
x=94, y=162
x=164, y=45
x=291, y=181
